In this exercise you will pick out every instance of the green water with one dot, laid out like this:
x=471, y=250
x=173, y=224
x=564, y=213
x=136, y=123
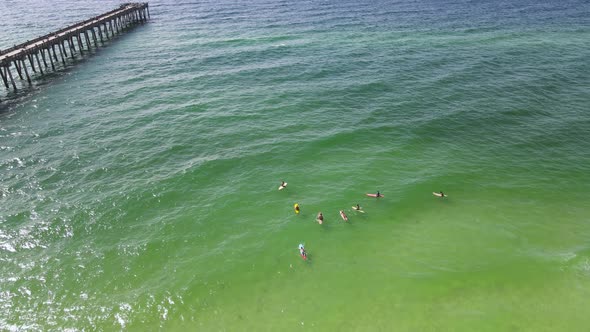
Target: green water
x=139, y=184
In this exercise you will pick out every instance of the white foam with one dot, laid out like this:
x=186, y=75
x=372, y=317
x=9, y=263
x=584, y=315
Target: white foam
x=18, y=161
x=568, y=256
x=7, y=246
x=120, y=320
x=8, y=327
x=125, y=307
x=584, y=266
x=28, y=245
x=163, y=312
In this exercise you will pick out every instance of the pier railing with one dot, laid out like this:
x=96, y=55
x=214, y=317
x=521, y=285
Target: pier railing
x=22, y=57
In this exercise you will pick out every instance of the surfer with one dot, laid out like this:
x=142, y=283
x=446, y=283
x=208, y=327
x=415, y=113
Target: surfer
x=377, y=195
x=439, y=194
x=343, y=215
x=320, y=218
x=302, y=251
x=357, y=207
x=283, y=185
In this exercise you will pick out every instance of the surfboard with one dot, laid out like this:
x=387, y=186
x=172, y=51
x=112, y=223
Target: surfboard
x=281, y=187
x=375, y=195
x=343, y=216
x=354, y=208
x=302, y=251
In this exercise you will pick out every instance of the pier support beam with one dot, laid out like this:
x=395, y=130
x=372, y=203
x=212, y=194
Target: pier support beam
x=99, y=34
x=63, y=48
x=4, y=78
x=26, y=71
x=39, y=63
x=54, y=54
x=63, y=60
x=71, y=45
x=94, y=37
x=11, y=78
x=18, y=70
x=50, y=58
x=79, y=44
x=42, y=50
x=87, y=40
x=30, y=57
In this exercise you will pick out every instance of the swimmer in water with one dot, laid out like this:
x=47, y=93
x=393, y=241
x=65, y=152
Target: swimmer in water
x=302, y=251
x=283, y=185
x=343, y=215
x=358, y=208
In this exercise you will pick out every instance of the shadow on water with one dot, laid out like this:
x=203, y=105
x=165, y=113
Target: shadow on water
x=10, y=99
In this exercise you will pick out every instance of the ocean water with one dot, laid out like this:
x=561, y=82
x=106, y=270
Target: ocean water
x=138, y=185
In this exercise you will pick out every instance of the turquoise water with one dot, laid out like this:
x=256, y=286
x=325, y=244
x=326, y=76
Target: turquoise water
x=138, y=186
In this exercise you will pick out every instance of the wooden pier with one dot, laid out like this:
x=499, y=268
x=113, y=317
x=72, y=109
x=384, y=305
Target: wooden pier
x=41, y=52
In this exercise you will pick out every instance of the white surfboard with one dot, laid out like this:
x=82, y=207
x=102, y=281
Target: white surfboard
x=354, y=208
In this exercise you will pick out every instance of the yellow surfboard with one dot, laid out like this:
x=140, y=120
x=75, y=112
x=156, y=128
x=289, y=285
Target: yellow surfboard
x=296, y=207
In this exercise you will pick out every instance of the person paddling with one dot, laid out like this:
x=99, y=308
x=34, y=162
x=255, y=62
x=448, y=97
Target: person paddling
x=320, y=218
x=343, y=215
x=283, y=185
x=302, y=251
x=358, y=208
x=377, y=195
x=439, y=194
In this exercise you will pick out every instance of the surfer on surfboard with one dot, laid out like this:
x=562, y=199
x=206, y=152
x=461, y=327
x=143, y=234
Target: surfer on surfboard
x=439, y=194
x=378, y=194
x=358, y=208
x=302, y=251
x=283, y=185
x=320, y=218
x=296, y=207
x=343, y=215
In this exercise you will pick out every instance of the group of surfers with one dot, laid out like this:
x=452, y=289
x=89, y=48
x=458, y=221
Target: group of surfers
x=320, y=216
